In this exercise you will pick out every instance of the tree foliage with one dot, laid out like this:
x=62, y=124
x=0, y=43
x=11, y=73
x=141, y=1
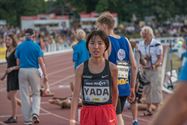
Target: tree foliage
x=11, y=10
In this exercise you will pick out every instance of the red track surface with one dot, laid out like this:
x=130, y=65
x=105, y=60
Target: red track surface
x=61, y=73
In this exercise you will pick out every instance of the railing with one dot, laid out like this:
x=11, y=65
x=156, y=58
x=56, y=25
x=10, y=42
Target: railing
x=49, y=49
x=53, y=47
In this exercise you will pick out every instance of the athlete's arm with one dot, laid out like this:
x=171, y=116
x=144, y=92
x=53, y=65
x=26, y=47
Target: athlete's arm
x=44, y=70
x=174, y=111
x=76, y=94
x=133, y=75
x=133, y=67
x=114, y=73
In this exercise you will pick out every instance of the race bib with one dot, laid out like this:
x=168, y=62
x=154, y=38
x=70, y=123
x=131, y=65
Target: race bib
x=96, y=91
x=123, y=72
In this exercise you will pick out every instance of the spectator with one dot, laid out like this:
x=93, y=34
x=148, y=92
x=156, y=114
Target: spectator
x=29, y=56
x=152, y=52
x=12, y=77
x=80, y=52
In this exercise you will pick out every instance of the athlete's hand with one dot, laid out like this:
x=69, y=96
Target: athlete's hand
x=47, y=91
x=131, y=98
x=72, y=122
x=4, y=76
x=8, y=70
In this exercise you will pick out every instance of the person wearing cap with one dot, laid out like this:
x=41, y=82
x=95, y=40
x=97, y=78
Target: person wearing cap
x=29, y=56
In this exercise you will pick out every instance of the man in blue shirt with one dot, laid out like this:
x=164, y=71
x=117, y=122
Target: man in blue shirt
x=29, y=56
x=174, y=111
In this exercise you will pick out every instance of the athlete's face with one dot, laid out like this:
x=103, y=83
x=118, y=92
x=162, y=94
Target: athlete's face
x=96, y=46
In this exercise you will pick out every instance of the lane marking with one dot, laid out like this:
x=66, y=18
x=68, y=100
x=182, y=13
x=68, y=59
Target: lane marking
x=51, y=84
x=20, y=115
x=57, y=116
x=52, y=73
x=60, y=87
x=61, y=80
x=58, y=64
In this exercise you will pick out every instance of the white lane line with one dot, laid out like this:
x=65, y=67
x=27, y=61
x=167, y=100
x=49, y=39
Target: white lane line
x=53, y=83
x=61, y=80
x=67, y=68
x=55, y=115
x=20, y=115
x=60, y=87
x=58, y=64
x=58, y=52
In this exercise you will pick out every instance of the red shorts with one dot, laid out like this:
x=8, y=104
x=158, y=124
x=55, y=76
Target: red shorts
x=98, y=115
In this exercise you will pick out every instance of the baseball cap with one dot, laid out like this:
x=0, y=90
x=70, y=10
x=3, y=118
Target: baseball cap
x=29, y=32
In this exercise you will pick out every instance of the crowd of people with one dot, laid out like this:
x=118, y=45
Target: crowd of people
x=107, y=74
x=177, y=26
x=49, y=41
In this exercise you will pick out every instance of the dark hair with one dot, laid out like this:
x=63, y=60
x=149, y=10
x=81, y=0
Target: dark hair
x=29, y=32
x=14, y=43
x=99, y=33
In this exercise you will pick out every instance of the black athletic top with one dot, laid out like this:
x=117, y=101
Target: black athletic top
x=97, y=88
x=12, y=77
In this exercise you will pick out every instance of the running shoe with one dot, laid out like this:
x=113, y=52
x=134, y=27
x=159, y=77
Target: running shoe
x=28, y=123
x=35, y=119
x=11, y=120
x=135, y=123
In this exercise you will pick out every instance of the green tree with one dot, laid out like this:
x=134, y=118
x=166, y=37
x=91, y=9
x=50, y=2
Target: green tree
x=12, y=10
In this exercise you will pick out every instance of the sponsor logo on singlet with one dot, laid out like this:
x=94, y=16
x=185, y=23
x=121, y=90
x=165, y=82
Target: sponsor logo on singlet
x=121, y=54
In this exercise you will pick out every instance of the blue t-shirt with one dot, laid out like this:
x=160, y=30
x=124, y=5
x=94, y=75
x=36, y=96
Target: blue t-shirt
x=183, y=72
x=120, y=56
x=80, y=53
x=28, y=54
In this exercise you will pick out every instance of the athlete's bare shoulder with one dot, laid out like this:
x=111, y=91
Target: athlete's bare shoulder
x=113, y=67
x=116, y=36
x=79, y=70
